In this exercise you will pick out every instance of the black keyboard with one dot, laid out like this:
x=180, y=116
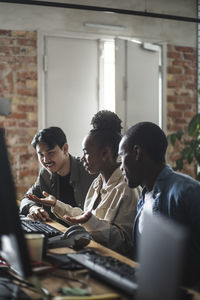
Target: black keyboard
x=31, y=226
x=113, y=271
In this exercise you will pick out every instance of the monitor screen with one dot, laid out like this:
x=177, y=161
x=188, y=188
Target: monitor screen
x=161, y=255
x=12, y=243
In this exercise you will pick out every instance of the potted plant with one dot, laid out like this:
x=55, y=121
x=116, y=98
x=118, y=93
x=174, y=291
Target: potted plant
x=191, y=150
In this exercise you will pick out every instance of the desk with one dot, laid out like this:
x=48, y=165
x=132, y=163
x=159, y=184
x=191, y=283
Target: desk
x=52, y=282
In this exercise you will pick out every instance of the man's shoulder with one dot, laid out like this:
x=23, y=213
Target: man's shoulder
x=179, y=181
x=184, y=179
x=76, y=164
x=44, y=173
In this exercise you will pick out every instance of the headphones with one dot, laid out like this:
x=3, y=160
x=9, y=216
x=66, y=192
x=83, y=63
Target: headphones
x=76, y=236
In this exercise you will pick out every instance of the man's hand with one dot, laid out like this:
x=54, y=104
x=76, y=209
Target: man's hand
x=38, y=213
x=79, y=219
x=48, y=200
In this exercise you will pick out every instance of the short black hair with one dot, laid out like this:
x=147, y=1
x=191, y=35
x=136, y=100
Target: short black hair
x=107, y=130
x=150, y=137
x=51, y=136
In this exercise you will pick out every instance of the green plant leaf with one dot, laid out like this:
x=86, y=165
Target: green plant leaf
x=179, y=134
x=198, y=176
x=194, y=126
x=173, y=139
x=175, y=136
x=185, y=152
x=197, y=154
x=179, y=164
x=190, y=157
x=191, y=151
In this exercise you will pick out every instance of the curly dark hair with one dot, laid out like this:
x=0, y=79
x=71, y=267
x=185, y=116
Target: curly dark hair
x=107, y=130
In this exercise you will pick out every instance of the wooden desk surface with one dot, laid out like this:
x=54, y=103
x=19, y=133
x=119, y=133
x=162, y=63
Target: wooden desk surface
x=55, y=279
x=103, y=250
x=52, y=280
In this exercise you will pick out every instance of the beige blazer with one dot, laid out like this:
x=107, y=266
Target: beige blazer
x=112, y=221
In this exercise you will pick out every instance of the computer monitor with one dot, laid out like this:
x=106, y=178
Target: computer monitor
x=162, y=250
x=12, y=243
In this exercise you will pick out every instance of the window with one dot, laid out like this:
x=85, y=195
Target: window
x=107, y=75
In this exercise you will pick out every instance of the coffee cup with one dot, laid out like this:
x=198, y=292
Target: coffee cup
x=35, y=245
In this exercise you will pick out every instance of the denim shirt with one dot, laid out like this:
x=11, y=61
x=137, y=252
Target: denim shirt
x=177, y=196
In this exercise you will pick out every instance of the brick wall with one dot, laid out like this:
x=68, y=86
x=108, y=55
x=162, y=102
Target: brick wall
x=18, y=81
x=181, y=95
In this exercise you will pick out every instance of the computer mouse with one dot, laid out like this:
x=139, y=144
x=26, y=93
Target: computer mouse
x=76, y=236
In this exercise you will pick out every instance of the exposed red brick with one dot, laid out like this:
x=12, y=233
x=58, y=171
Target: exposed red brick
x=175, y=114
x=176, y=55
x=174, y=84
x=17, y=115
x=26, y=173
x=181, y=92
x=26, y=75
x=17, y=132
x=6, y=41
x=6, y=50
x=5, y=32
x=27, y=92
x=2, y=66
x=28, y=124
x=173, y=70
x=180, y=121
x=183, y=106
x=20, y=149
x=190, y=57
x=189, y=114
x=25, y=140
x=26, y=42
x=190, y=86
x=26, y=108
x=25, y=157
x=191, y=71
x=7, y=122
x=184, y=49
x=10, y=82
x=182, y=96
x=172, y=98
x=183, y=78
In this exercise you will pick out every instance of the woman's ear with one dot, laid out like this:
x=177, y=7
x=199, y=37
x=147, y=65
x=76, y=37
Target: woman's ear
x=106, y=153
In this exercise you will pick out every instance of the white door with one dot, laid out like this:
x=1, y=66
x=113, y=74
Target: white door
x=71, y=85
x=137, y=82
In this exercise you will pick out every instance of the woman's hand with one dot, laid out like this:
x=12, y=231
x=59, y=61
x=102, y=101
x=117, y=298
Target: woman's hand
x=79, y=219
x=48, y=200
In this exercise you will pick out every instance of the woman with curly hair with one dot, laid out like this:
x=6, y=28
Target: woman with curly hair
x=110, y=205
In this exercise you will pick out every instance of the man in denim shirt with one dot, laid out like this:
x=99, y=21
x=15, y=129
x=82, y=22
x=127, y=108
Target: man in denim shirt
x=177, y=196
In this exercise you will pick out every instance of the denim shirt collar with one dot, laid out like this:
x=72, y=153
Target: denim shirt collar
x=157, y=188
